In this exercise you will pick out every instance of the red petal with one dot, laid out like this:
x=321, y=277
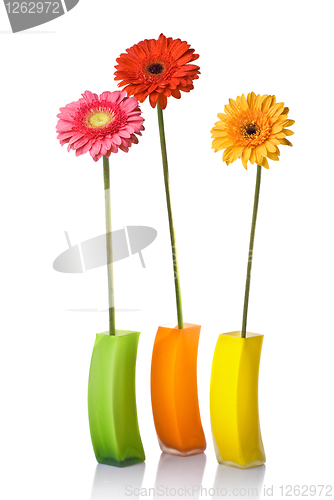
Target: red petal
x=178, y=48
x=187, y=57
x=153, y=99
x=176, y=93
x=162, y=43
x=162, y=100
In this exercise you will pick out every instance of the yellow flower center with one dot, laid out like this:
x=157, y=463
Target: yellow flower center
x=100, y=119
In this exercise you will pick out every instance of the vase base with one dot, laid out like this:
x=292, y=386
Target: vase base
x=124, y=463
x=250, y=465
x=178, y=453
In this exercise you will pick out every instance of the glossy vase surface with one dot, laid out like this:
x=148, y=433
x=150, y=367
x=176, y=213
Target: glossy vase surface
x=174, y=390
x=234, y=400
x=112, y=406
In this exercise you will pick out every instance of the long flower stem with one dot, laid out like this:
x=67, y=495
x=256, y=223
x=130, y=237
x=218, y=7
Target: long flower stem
x=251, y=246
x=106, y=177
x=170, y=218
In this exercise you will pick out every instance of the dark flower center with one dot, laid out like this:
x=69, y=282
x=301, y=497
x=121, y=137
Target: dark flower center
x=251, y=129
x=155, y=68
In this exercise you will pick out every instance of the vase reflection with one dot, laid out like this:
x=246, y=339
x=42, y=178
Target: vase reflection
x=113, y=482
x=176, y=474
x=239, y=483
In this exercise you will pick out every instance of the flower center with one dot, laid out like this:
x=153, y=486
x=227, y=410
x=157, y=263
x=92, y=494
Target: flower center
x=155, y=68
x=100, y=119
x=251, y=130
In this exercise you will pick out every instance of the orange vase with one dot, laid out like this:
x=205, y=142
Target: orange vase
x=174, y=390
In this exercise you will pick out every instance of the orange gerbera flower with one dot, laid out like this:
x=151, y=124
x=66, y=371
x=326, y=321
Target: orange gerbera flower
x=158, y=69
x=252, y=129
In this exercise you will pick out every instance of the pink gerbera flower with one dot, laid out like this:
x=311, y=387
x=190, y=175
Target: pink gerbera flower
x=100, y=124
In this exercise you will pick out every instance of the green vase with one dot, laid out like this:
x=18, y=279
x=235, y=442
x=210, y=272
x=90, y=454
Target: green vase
x=112, y=407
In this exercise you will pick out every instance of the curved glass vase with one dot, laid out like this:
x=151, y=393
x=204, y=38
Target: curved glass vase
x=174, y=390
x=112, y=406
x=234, y=400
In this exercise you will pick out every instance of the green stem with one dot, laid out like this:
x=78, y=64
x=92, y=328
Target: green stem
x=106, y=177
x=170, y=218
x=251, y=246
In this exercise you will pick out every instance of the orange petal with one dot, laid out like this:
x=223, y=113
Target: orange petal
x=272, y=156
x=277, y=128
x=162, y=100
x=262, y=150
x=252, y=158
x=267, y=103
x=270, y=147
x=258, y=156
x=245, y=157
x=285, y=142
x=250, y=99
x=265, y=163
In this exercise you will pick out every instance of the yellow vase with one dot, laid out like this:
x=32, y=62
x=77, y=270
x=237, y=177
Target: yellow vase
x=234, y=400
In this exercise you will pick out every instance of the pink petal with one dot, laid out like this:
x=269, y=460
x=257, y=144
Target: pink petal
x=116, y=140
x=107, y=143
x=97, y=157
x=129, y=128
x=83, y=150
x=124, y=133
x=64, y=135
x=72, y=105
x=129, y=104
x=114, y=96
x=63, y=126
x=79, y=143
x=106, y=96
x=95, y=149
x=76, y=137
x=89, y=96
x=104, y=150
x=123, y=94
x=65, y=115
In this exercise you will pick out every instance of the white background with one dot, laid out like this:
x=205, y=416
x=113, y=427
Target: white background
x=283, y=48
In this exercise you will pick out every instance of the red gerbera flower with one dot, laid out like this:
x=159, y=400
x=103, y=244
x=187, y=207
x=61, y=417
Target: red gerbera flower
x=100, y=125
x=158, y=69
